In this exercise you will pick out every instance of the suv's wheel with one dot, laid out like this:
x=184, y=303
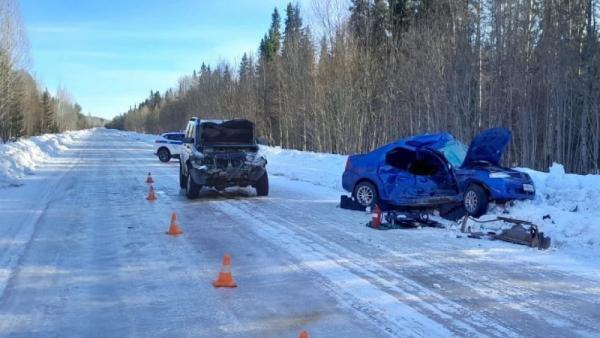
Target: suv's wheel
x=476, y=200
x=182, y=177
x=366, y=194
x=164, y=155
x=262, y=185
x=192, y=190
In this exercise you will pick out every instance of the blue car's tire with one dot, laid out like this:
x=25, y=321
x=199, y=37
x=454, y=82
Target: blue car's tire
x=476, y=200
x=366, y=194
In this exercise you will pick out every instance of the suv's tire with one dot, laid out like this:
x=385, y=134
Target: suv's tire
x=475, y=200
x=182, y=177
x=192, y=190
x=366, y=194
x=164, y=155
x=262, y=185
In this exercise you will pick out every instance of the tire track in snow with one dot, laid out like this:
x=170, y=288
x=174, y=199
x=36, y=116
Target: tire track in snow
x=556, y=310
x=367, y=292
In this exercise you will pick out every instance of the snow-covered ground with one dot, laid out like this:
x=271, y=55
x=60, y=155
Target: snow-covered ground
x=82, y=253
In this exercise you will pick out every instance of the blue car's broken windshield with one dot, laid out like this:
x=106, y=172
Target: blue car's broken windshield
x=455, y=152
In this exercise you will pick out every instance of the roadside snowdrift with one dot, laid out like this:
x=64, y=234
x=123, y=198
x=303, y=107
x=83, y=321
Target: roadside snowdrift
x=18, y=159
x=566, y=206
x=315, y=168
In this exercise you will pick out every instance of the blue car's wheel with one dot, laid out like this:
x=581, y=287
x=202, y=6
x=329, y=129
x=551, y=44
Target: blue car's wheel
x=476, y=200
x=366, y=194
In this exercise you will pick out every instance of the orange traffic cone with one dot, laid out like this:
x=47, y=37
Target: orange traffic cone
x=376, y=217
x=174, y=227
x=303, y=334
x=225, y=279
x=151, y=195
x=149, y=179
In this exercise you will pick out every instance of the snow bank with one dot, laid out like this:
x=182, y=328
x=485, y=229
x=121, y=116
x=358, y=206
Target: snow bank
x=315, y=168
x=566, y=206
x=20, y=158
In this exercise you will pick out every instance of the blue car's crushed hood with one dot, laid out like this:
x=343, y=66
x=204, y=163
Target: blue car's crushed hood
x=488, y=146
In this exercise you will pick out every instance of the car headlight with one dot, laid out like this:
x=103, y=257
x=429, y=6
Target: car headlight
x=499, y=175
x=197, y=159
x=255, y=159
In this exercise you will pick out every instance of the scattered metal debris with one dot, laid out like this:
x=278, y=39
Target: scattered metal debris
x=518, y=233
x=404, y=220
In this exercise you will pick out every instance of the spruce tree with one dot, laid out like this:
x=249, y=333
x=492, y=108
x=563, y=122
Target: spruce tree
x=48, y=124
x=398, y=15
x=359, y=20
x=16, y=120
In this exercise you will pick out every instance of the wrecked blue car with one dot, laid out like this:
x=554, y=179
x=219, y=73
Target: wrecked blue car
x=431, y=170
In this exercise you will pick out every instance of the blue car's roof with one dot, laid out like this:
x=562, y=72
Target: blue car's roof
x=435, y=141
x=486, y=146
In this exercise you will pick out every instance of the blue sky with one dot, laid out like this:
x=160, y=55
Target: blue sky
x=110, y=54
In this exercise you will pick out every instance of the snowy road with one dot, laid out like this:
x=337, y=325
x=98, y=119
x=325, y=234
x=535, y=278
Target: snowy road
x=82, y=253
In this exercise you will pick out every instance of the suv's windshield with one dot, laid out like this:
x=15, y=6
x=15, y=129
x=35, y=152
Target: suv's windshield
x=455, y=152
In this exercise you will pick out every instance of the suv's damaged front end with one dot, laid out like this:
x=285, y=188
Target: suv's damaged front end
x=223, y=167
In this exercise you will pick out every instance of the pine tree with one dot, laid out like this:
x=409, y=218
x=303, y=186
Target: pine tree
x=379, y=24
x=16, y=120
x=292, y=31
x=359, y=20
x=293, y=22
x=268, y=70
x=398, y=15
x=271, y=42
x=275, y=34
x=48, y=124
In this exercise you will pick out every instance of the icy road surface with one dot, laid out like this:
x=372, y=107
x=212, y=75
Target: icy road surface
x=82, y=253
